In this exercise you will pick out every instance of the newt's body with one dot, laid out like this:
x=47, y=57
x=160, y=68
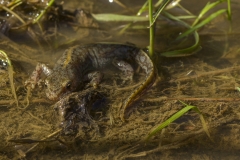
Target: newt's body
x=77, y=63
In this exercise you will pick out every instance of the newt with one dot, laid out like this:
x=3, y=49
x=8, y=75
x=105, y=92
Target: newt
x=78, y=65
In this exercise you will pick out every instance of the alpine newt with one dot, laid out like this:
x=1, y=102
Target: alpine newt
x=75, y=68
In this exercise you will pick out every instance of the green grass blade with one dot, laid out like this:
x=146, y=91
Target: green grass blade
x=143, y=8
x=176, y=116
x=186, y=51
x=204, y=124
x=204, y=22
x=205, y=10
x=49, y=4
x=160, y=9
x=159, y=2
x=229, y=10
x=168, y=121
x=118, y=18
x=151, y=29
x=184, y=9
x=186, y=17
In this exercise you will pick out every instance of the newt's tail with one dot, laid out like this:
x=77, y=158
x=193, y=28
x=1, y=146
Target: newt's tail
x=146, y=64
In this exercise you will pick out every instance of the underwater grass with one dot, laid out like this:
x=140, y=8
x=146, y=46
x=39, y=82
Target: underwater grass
x=175, y=117
x=186, y=51
x=10, y=73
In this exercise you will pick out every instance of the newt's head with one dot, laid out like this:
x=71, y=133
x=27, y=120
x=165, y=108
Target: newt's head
x=59, y=84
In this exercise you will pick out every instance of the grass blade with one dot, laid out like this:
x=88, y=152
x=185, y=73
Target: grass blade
x=42, y=12
x=229, y=10
x=118, y=18
x=187, y=51
x=204, y=22
x=160, y=9
x=205, y=10
x=176, y=116
x=168, y=121
x=10, y=73
x=186, y=17
x=151, y=29
x=143, y=8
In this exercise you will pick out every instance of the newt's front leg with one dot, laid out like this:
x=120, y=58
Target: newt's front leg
x=94, y=79
x=126, y=68
x=35, y=78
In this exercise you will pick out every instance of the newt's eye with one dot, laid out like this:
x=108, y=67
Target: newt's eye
x=68, y=86
x=46, y=83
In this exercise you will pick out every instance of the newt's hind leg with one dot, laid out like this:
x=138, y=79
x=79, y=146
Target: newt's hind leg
x=126, y=68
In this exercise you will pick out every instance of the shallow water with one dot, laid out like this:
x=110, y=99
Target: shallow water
x=206, y=79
